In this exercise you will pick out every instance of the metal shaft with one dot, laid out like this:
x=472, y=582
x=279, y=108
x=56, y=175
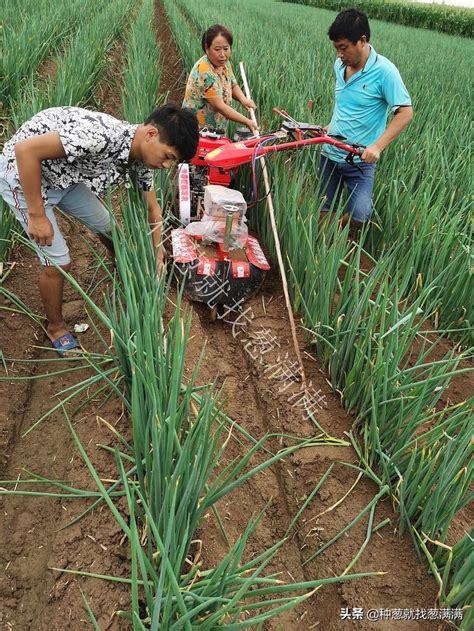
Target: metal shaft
x=231, y=210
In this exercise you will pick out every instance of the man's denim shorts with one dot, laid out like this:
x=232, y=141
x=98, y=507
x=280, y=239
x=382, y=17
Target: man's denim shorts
x=76, y=200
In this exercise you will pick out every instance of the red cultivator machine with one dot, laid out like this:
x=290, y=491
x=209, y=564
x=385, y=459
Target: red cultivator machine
x=220, y=262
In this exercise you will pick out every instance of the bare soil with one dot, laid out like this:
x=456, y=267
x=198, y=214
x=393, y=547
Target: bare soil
x=32, y=594
x=35, y=596
x=172, y=72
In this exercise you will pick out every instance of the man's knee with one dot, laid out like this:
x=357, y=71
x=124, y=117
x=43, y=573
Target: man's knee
x=360, y=206
x=51, y=271
x=102, y=226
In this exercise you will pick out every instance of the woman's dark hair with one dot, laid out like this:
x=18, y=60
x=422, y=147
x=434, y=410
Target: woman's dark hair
x=212, y=32
x=350, y=24
x=178, y=127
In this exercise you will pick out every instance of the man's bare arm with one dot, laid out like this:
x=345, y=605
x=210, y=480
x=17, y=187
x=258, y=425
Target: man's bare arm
x=400, y=120
x=156, y=225
x=29, y=154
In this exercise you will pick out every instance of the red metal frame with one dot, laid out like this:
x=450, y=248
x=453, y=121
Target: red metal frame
x=221, y=157
x=232, y=155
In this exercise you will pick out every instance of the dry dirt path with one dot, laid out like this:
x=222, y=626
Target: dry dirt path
x=32, y=596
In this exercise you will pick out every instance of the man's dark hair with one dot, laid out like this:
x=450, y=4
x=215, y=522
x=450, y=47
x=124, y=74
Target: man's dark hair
x=350, y=24
x=212, y=32
x=178, y=127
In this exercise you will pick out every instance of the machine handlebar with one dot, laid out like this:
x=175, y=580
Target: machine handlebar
x=233, y=155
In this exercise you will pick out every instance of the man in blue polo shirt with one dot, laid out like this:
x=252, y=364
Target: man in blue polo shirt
x=368, y=87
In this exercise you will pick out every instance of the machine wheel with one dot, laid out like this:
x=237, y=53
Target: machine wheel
x=184, y=194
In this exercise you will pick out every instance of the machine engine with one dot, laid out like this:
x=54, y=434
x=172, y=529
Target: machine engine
x=193, y=178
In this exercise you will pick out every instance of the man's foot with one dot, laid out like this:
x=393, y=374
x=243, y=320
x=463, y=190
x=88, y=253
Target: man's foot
x=66, y=345
x=62, y=339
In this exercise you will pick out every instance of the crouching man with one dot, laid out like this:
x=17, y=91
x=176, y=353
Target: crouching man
x=70, y=157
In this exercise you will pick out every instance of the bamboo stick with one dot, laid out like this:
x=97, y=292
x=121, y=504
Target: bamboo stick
x=271, y=210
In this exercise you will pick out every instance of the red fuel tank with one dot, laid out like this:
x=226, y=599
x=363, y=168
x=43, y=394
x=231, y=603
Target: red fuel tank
x=206, y=145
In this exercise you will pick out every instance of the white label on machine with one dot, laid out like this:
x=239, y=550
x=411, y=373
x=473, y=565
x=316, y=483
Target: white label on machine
x=184, y=193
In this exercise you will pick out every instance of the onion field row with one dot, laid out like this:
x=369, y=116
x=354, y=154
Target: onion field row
x=24, y=45
x=170, y=473
x=81, y=65
x=379, y=328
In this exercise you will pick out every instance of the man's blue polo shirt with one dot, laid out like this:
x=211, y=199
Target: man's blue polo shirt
x=363, y=102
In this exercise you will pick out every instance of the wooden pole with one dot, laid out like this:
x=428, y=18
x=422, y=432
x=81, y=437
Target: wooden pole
x=271, y=210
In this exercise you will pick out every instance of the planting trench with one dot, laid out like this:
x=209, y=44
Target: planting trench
x=33, y=596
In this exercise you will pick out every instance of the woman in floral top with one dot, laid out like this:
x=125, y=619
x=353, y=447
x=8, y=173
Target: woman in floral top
x=212, y=86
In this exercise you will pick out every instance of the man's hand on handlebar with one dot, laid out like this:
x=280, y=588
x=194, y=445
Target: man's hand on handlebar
x=371, y=154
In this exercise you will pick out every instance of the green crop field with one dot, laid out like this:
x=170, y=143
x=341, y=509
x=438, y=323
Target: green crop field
x=439, y=17
x=389, y=318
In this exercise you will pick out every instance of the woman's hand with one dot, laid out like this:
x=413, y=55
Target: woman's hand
x=254, y=128
x=248, y=104
x=217, y=104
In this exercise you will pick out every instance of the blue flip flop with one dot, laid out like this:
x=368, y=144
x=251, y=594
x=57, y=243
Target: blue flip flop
x=65, y=343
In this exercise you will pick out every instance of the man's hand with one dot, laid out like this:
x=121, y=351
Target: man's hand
x=400, y=120
x=40, y=230
x=371, y=154
x=160, y=261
